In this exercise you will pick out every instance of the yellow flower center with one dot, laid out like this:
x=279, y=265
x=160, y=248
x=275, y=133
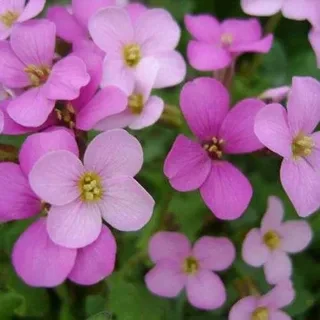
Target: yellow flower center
x=66, y=114
x=190, y=265
x=135, y=103
x=9, y=18
x=272, y=240
x=132, y=55
x=302, y=146
x=90, y=187
x=37, y=75
x=227, y=39
x=260, y=314
x=214, y=148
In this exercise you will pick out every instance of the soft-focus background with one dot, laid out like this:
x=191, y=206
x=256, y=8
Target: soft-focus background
x=123, y=296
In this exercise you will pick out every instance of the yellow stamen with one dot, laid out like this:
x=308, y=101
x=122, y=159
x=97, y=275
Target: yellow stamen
x=90, y=187
x=132, y=55
x=227, y=39
x=66, y=114
x=214, y=148
x=302, y=146
x=272, y=240
x=260, y=314
x=37, y=75
x=9, y=18
x=190, y=265
x=135, y=103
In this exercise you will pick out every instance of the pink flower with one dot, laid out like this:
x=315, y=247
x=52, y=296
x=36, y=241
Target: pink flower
x=290, y=134
x=217, y=45
x=192, y=165
x=269, y=246
x=265, y=307
x=81, y=194
x=42, y=263
x=13, y=11
x=314, y=38
x=178, y=265
x=153, y=34
x=275, y=94
x=27, y=63
x=142, y=110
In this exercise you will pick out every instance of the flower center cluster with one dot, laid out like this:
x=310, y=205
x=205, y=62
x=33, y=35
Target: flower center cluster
x=132, y=55
x=214, y=148
x=260, y=314
x=272, y=240
x=37, y=75
x=135, y=103
x=66, y=114
x=90, y=187
x=9, y=18
x=226, y=39
x=302, y=146
x=190, y=265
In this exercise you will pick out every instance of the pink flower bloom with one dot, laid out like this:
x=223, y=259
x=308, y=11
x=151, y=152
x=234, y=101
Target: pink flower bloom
x=154, y=34
x=290, y=134
x=81, y=194
x=275, y=94
x=42, y=263
x=178, y=265
x=27, y=62
x=15, y=11
x=265, y=307
x=269, y=246
x=201, y=165
x=142, y=110
x=217, y=45
x=314, y=38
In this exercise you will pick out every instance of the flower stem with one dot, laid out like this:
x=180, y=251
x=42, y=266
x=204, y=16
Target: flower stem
x=171, y=116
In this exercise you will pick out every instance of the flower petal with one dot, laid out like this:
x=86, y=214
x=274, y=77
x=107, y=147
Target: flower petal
x=1, y=121
x=273, y=217
x=204, y=103
x=314, y=39
x=32, y=9
x=55, y=177
x=39, y=261
x=226, y=184
x=74, y=225
x=117, y=121
x=237, y=129
x=114, y=153
x=243, y=309
x=205, y=290
x=262, y=46
x=214, y=253
x=254, y=251
x=261, y=7
x=95, y=261
x=165, y=245
x=187, y=165
x=135, y=10
x=126, y=205
x=279, y=315
x=271, y=128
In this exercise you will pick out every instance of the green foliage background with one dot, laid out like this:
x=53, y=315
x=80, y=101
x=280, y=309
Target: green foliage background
x=123, y=296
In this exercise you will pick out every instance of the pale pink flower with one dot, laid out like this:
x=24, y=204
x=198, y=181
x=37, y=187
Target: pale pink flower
x=289, y=133
x=266, y=307
x=314, y=38
x=179, y=266
x=269, y=246
x=277, y=94
x=102, y=187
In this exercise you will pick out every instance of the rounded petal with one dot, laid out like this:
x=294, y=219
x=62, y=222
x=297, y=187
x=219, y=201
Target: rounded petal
x=95, y=261
x=117, y=121
x=32, y=9
x=74, y=225
x=279, y=315
x=237, y=129
x=278, y=267
x=300, y=9
x=295, y=236
x=271, y=128
x=261, y=7
x=165, y=245
x=204, y=103
x=214, y=253
x=226, y=184
x=166, y=279
x=39, y=144
x=262, y=46
x=39, y=261
x=135, y=10
x=302, y=185
x=17, y=201
x=4, y=32
x=1, y=121
x=126, y=206
x=114, y=153
x=273, y=217
x=207, y=57
x=187, y=165
x=314, y=39
x=254, y=251
x=275, y=94
x=243, y=309
x=206, y=291
x=55, y=177
x=303, y=105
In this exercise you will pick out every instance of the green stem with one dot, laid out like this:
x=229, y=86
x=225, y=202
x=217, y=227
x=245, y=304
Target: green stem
x=171, y=116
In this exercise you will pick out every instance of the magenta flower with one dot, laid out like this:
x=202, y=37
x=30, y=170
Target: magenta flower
x=153, y=34
x=290, y=134
x=201, y=164
x=81, y=194
x=27, y=63
x=275, y=94
x=12, y=12
x=269, y=246
x=217, y=45
x=265, y=307
x=178, y=266
x=42, y=263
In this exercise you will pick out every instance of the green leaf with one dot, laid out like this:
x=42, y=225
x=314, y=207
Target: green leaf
x=9, y=303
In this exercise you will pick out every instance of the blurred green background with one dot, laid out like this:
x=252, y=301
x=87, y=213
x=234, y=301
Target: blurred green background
x=123, y=296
